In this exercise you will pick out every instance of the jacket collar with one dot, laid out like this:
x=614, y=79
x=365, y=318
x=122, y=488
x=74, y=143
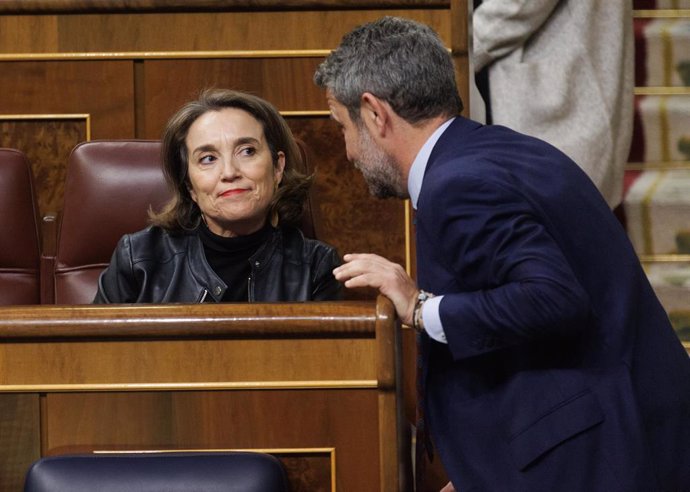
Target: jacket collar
x=457, y=133
x=416, y=175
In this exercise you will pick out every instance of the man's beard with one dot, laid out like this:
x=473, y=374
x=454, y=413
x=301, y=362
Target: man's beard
x=379, y=169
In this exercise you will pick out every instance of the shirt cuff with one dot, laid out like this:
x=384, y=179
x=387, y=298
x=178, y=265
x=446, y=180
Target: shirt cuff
x=432, y=319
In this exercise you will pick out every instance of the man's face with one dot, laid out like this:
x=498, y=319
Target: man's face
x=379, y=169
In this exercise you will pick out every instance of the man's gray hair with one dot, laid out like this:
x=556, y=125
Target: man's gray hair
x=398, y=60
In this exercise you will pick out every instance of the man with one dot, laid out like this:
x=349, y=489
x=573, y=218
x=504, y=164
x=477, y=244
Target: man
x=548, y=362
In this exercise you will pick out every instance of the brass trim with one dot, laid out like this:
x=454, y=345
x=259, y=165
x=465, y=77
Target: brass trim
x=57, y=116
x=333, y=467
x=218, y=450
x=667, y=258
x=408, y=246
x=662, y=13
x=657, y=165
x=316, y=112
x=662, y=91
x=230, y=386
x=164, y=55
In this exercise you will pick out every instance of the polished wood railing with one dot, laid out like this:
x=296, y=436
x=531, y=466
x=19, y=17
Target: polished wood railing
x=81, y=6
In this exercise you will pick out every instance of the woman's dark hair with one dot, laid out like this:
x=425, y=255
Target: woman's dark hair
x=181, y=213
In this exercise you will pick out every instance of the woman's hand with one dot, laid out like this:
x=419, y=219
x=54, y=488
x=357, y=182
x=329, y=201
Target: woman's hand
x=369, y=270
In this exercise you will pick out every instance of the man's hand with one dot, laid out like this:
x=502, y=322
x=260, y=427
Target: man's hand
x=369, y=270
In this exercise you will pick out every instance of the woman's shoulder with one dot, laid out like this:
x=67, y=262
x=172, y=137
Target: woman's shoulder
x=149, y=235
x=156, y=242
x=294, y=240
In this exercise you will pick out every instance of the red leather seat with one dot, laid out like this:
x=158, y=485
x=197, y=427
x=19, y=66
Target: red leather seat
x=19, y=245
x=109, y=187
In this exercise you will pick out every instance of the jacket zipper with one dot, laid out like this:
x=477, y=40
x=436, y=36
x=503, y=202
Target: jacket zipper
x=203, y=296
x=249, y=289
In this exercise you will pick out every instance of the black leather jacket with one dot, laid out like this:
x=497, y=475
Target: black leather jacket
x=156, y=267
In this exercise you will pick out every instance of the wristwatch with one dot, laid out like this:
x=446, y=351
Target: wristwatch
x=417, y=319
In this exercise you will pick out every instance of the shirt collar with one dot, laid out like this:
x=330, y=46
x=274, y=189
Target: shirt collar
x=416, y=176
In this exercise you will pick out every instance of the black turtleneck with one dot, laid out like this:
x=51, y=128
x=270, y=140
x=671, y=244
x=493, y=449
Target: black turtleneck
x=229, y=258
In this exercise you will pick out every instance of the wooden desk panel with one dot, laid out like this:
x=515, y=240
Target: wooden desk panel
x=318, y=383
x=286, y=82
x=293, y=421
x=102, y=89
x=20, y=435
x=186, y=364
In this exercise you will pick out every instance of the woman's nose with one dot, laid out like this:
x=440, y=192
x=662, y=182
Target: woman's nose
x=229, y=170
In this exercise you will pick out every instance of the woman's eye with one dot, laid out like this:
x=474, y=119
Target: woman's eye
x=247, y=151
x=207, y=159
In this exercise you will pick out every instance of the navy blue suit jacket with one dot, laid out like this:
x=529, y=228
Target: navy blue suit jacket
x=562, y=371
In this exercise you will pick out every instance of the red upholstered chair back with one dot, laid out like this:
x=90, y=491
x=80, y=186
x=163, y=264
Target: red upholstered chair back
x=19, y=247
x=109, y=187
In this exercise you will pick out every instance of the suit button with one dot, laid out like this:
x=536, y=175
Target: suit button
x=217, y=290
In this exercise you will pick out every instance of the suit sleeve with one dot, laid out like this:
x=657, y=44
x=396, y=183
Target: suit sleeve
x=513, y=282
x=499, y=27
x=116, y=283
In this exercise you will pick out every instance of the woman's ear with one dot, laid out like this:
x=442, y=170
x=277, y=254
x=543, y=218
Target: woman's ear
x=279, y=167
x=192, y=193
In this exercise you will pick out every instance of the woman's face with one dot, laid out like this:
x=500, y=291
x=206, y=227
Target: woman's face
x=231, y=172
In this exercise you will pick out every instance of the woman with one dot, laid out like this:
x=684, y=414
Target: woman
x=228, y=234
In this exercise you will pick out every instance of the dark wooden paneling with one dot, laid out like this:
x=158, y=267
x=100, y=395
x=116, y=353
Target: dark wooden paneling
x=222, y=31
x=103, y=89
x=308, y=471
x=28, y=33
x=347, y=216
x=286, y=82
x=295, y=419
x=42, y=92
x=341, y=419
x=47, y=143
x=20, y=438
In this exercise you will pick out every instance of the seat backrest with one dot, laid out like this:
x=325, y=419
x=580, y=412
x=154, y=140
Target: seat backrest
x=158, y=472
x=109, y=187
x=19, y=246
